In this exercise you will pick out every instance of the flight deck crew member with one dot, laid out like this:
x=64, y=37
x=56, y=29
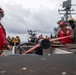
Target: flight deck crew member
x=17, y=40
x=64, y=31
x=72, y=23
x=13, y=41
x=2, y=34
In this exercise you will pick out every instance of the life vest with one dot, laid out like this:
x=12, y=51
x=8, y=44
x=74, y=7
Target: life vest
x=3, y=30
x=16, y=40
x=13, y=40
x=62, y=34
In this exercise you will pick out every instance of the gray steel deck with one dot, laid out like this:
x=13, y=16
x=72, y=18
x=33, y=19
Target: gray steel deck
x=54, y=64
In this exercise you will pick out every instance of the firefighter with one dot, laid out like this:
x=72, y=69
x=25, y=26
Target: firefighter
x=2, y=34
x=64, y=31
x=13, y=41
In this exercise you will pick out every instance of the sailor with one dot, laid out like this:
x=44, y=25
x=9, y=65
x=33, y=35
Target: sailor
x=64, y=31
x=17, y=40
x=40, y=38
x=13, y=41
x=46, y=37
x=39, y=50
x=8, y=39
x=73, y=27
x=2, y=34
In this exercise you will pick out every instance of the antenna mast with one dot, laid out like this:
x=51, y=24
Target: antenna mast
x=67, y=9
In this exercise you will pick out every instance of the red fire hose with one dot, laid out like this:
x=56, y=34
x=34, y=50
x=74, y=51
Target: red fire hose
x=34, y=47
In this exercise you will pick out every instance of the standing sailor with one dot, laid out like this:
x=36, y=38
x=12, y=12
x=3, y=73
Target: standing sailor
x=64, y=31
x=2, y=34
x=17, y=40
x=73, y=27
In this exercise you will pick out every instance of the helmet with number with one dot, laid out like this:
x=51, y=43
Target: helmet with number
x=1, y=12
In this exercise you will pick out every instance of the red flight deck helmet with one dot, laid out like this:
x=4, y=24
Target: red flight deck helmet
x=62, y=24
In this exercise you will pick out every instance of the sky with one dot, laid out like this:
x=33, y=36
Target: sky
x=22, y=15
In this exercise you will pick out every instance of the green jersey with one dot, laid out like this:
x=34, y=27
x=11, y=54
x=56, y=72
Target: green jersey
x=74, y=34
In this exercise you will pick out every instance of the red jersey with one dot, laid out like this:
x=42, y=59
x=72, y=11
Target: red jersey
x=62, y=34
x=2, y=37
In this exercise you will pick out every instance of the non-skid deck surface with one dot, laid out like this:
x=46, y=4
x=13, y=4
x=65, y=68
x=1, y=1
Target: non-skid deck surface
x=38, y=65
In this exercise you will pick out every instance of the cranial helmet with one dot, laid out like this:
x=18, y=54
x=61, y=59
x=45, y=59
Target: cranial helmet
x=71, y=19
x=1, y=12
x=62, y=23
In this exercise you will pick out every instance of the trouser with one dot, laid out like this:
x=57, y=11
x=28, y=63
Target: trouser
x=1, y=51
x=39, y=51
